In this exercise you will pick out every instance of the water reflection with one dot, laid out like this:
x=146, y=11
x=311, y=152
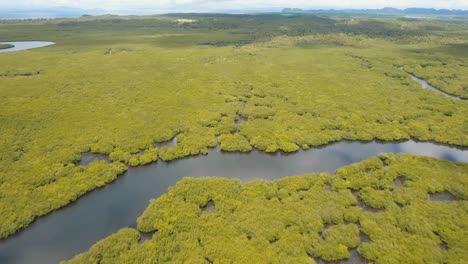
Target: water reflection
x=75, y=228
x=426, y=85
x=89, y=157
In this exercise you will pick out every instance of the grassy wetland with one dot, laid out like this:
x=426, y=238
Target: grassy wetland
x=118, y=86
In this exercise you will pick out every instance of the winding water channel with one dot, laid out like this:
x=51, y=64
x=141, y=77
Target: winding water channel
x=25, y=45
x=73, y=229
x=425, y=85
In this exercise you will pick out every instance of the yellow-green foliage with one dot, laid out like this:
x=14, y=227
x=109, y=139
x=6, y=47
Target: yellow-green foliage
x=109, y=250
x=447, y=74
x=191, y=143
x=302, y=218
x=118, y=85
x=25, y=198
x=234, y=142
x=148, y=156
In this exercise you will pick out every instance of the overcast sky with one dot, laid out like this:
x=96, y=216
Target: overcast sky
x=236, y=4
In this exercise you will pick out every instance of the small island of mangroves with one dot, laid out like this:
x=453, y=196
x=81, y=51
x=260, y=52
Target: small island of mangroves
x=392, y=209
x=138, y=89
x=6, y=46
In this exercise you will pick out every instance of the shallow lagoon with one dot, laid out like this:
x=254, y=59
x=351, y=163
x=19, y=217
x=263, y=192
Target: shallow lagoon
x=25, y=45
x=66, y=232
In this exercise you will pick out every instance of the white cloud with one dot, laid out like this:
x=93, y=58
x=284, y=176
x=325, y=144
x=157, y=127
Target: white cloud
x=238, y=4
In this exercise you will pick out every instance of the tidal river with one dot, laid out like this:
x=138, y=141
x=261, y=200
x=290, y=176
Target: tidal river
x=73, y=229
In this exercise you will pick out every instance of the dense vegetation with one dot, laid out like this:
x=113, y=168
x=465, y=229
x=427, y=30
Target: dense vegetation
x=6, y=46
x=386, y=11
x=118, y=85
x=381, y=206
x=449, y=76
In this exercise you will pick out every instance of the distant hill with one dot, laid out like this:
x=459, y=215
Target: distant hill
x=71, y=12
x=382, y=11
x=54, y=12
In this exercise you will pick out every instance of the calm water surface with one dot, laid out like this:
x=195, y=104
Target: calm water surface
x=25, y=45
x=425, y=85
x=66, y=232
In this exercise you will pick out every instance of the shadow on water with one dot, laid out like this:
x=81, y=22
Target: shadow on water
x=73, y=229
x=442, y=197
x=400, y=181
x=88, y=157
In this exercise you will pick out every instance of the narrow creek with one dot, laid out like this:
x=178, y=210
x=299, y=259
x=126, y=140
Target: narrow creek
x=425, y=85
x=73, y=229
